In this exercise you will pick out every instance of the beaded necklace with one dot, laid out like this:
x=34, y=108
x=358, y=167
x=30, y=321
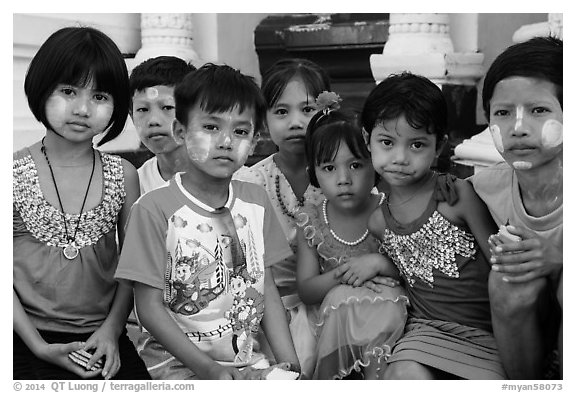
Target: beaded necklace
x=281, y=202
x=338, y=238
x=71, y=249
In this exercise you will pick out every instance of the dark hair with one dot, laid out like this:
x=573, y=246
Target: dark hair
x=77, y=56
x=539, y=58
x=416, y=97
x=219, y=88
x=275, y=79
x=325, y=134
x=159, y=71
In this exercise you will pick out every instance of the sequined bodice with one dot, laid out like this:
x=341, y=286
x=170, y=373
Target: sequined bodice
x=433, y=246
x=46, y=223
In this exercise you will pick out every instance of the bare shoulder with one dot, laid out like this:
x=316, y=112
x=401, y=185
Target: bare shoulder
x=377, y=222
x=129, y=169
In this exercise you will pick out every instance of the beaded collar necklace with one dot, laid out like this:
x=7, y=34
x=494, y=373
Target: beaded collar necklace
x=71, y=248
x=338, y=238
x=281, y=202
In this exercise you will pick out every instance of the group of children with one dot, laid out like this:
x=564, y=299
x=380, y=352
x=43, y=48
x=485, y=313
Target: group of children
x=343, y=254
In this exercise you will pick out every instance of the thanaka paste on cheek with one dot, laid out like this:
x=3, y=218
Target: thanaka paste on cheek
x=497, y=138
x=56, y=107
x=244, y=150
x=198, y=145
x=103, y=112
x=552, y=134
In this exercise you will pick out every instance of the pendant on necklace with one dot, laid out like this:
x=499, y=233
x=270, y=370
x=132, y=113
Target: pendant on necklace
x=71, y=251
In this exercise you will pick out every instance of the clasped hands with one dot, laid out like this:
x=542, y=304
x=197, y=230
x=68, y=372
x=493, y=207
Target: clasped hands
x=368, y=270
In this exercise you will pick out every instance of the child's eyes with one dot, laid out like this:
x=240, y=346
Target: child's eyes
x=242, y=132
x=327, y=168
x=141, y=110
x=309, y=109
x=501, y=112
x=280, y=112
x=100, y=97
x=418, y=145
x=385, y=142
x=540, y=110
x=168, y=107
x=210, y=127
x=67, y=91
x=356, y=165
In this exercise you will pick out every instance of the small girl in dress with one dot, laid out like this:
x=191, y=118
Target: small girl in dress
x=69, y=203
x=435, y=229
x=289, y=87
x=338, y=261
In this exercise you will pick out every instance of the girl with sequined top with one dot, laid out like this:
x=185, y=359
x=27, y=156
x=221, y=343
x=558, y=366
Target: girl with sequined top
x=290, y=87
x=435, y=229
x=70, y=204
x=339, y=266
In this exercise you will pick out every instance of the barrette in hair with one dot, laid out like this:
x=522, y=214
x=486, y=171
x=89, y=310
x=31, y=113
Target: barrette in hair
x=328, y=101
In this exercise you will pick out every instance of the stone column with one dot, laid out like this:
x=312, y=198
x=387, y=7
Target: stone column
x=166, y=35
x=421, y=44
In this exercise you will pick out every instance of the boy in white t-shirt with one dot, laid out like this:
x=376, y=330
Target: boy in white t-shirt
x=152, y=90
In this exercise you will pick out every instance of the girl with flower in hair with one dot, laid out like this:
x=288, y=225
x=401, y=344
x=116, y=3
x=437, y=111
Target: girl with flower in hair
x=363, y=308
x=290, y=87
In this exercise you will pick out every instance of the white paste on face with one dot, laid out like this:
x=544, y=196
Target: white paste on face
x=198, y=145
x=497, y=138
x=56, y=108
x=520, y=165
x=519, y=117
x=244, y=150
x=103, y=112
x=151, y=93
x=552, y=133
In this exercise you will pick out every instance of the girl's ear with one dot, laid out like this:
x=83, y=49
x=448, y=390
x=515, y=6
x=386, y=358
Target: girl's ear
x=178, y=132
x=440, y=144
x=366, y=137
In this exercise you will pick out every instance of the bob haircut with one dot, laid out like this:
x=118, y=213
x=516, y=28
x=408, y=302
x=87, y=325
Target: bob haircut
x=275, y=79
x=217, y=89
x=325, y=134
x=78, y=56
x=539, y=58
x=159, y=71
x=415, y=97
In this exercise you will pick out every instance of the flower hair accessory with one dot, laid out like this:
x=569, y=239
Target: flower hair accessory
x=328, y=101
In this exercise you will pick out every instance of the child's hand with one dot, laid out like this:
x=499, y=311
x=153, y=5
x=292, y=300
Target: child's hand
x=219, y=372
x=105, y=344
x=526, y=259
x=376, y=283
x=58, y=354
x=359, y=269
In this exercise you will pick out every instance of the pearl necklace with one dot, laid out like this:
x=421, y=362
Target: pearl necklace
x=281, y=202
x=334, y=235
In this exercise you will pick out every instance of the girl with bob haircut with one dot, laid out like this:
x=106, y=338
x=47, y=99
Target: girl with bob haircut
x=70, y=205
x=78, y=56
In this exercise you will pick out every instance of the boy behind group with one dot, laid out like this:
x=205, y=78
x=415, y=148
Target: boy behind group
x=198, y=251
x=153, y=109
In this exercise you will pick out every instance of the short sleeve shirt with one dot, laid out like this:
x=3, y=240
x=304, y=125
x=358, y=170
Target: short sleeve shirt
x=211, y=276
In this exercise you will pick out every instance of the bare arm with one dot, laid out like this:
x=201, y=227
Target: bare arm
x=312, y=285
x=53, y=353
x=472, y=210
x=158, y=322
x=275, y=324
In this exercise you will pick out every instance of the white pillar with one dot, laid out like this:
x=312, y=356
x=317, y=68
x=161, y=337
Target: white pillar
x=166, y=35
x=552, y=27
x=421, y=44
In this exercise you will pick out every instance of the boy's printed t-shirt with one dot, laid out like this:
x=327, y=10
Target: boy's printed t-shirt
x=183, y=247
